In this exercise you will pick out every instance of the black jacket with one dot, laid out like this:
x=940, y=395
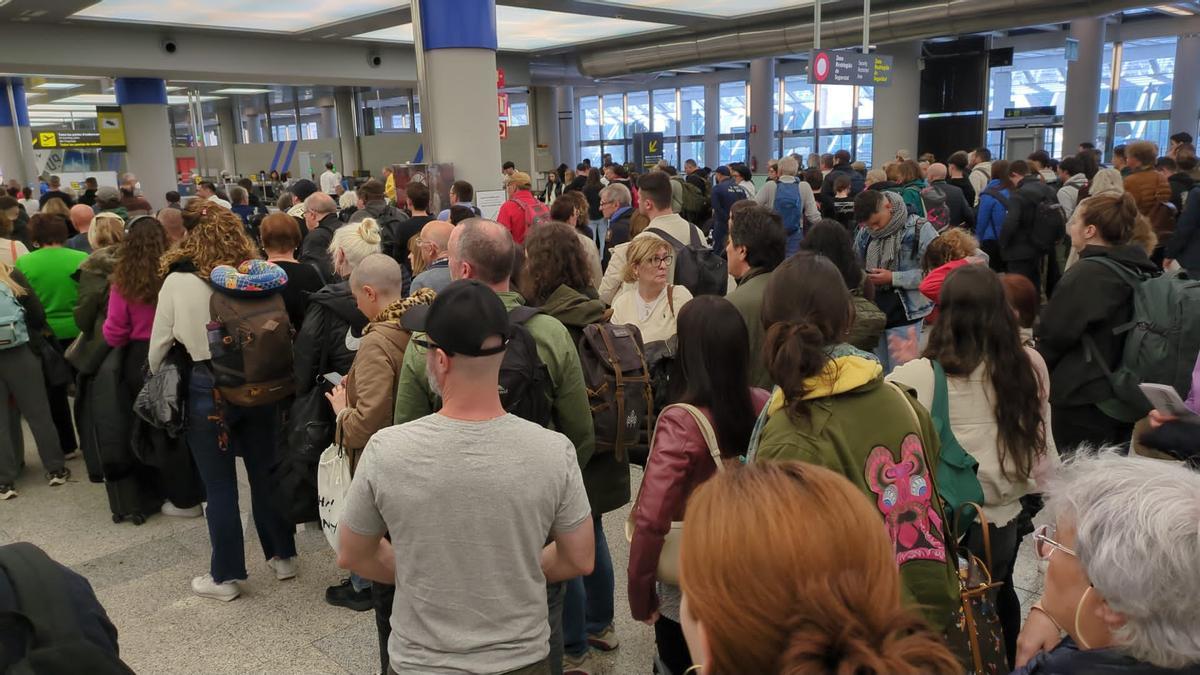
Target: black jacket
x=331, y=320
x=1184, y=245
x=592, y=195
x=961, y=213
x=617, y=233
x=856, y=180
x=1093, y=300
x=66, y=198
x=315, y=249
x=389, y=219
x=968, y=190
x=1068, y=659
x=1180, y=183
x=1016, y=236
x=576, y=183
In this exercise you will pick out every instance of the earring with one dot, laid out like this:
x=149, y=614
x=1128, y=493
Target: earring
x=696, y=668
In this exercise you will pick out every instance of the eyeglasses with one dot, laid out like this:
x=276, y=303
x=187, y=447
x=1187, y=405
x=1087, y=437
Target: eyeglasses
x=606, y=203
x=661, y=261
x=1045, y=547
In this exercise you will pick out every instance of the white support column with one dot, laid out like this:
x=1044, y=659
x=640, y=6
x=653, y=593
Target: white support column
x=712, y=125
x=16, y=141
x=347, y=130
x=897, y=105
x=229, y=134
x=1083, y=83
x=459, y=115
x=148, y=152
x=1185, y=94
x=762, y=113
x=568, y=131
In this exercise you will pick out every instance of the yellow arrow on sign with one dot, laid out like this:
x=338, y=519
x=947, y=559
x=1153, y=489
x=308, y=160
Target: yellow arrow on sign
x=653, y=147
x=47, y=139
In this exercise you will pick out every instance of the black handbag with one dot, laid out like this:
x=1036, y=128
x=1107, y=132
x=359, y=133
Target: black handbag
x=55, y=368
x=309, y=428
x=162, y=401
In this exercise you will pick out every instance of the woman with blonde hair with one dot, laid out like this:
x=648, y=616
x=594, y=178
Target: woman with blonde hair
x=56, y=207
x=759, y=597
x=652, y=303
x=218, y=430
x=21, y=378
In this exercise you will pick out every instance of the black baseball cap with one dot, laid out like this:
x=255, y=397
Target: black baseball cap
x=461, y=318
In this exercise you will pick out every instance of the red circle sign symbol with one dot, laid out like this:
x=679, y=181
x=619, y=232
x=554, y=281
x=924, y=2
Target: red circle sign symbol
x=821, y=66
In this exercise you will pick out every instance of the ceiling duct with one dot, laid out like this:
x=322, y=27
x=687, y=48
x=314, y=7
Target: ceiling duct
x=900, y=22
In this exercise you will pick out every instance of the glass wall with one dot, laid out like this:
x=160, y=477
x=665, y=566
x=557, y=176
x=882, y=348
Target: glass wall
x=608, y=122
x=807, y=119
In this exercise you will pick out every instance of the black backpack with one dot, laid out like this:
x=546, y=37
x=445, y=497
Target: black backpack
x=525, y=387
x=698, y=268
x=55, y=643
x=1049, y=225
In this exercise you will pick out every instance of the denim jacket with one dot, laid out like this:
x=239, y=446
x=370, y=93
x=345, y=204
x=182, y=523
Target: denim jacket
x=907, y=275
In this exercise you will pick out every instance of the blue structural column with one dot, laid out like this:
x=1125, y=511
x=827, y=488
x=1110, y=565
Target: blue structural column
x=16, y=142
x=148, y=152
x=459, y=112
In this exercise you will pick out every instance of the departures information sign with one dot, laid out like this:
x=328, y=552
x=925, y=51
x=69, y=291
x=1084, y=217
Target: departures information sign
x=830, y=66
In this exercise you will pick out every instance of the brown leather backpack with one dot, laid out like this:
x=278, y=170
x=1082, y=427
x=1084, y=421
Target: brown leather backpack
x=618, y=386
x=251, y=343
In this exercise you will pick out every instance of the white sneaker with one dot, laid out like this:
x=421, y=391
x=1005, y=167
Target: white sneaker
x=169, y=509
x=7, y=492
x=285, y=568
x=205, y=587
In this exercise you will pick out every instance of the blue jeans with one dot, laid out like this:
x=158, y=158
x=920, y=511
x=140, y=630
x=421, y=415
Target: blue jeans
x=252, y=436
x=589, y=605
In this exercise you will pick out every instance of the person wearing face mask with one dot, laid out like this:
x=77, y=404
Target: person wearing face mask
x=1120, y=555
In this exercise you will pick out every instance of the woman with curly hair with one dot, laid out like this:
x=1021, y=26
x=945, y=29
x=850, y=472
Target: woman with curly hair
x=759, y=597
x=217, y=237
x=557, y=279
x=571, y=209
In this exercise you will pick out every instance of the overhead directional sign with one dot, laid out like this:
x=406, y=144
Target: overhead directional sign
x=829, y=66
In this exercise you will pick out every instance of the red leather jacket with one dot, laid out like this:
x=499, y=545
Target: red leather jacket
x=679, y=462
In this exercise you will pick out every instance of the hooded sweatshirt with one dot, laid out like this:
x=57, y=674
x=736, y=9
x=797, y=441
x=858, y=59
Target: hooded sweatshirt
x=889, y=460
x=605, y=477
x=1068, y=194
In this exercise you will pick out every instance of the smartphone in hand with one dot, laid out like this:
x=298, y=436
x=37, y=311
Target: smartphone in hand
x=333, y=378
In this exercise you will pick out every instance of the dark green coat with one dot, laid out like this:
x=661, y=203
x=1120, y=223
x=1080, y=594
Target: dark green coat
x=748, y=299
x=93, y=277
x=605, y=477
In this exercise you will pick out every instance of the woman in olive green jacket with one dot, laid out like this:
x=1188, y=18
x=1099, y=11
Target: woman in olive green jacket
x=831, y=407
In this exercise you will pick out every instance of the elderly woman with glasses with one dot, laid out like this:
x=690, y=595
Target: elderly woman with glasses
x=1122, y=563
x=647, y=300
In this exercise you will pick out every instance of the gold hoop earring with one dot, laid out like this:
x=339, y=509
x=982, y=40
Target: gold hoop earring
x=694, y=669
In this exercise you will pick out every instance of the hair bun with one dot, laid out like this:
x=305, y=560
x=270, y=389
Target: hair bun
x=369, y=231
x=845, y=644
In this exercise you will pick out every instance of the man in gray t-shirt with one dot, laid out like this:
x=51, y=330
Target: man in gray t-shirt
x=470, y=495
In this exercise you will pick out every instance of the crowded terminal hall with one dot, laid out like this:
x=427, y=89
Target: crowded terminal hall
x=600, y=337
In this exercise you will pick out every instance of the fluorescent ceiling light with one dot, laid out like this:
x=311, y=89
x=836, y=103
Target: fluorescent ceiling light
x=61, y=108
x=270, y=17
x=241, y=90
x=721, y=8
x=521, y=29
x=1172, y=9
x=111, y=99
x=57, y=85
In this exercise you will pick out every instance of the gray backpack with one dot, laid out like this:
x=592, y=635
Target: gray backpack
x=1162, y=339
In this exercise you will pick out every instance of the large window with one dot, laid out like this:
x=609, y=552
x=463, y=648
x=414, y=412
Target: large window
x=823, y=118
x=607, y=123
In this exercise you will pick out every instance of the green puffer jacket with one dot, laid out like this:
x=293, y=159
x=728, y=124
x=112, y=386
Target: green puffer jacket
x=93, y=277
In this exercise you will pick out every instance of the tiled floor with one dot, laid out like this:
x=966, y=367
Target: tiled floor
x=142, y=575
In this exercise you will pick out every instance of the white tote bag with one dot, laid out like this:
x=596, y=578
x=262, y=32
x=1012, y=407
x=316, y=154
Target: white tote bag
x=333, y=481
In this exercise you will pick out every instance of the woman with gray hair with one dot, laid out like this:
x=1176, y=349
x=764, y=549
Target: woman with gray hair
x=1124, y=557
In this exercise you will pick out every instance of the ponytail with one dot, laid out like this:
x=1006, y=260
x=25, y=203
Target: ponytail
x=895, y=641
x=795, y=351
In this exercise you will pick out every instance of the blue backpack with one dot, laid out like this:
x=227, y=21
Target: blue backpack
x=13, y=331
x=787, y=204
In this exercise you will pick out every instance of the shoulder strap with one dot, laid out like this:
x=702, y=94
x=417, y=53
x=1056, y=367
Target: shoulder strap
x=941, y=394
x=706, y=430
x=671, y=298
x=668, y=238
x=522, y=313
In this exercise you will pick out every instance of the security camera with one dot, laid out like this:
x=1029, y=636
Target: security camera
x=170, y=46
x=374, y=60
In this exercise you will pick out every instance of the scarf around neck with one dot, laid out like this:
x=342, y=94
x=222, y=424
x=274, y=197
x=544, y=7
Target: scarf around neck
x=884, y=247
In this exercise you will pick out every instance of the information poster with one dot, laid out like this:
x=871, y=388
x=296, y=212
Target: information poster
x=489, y=202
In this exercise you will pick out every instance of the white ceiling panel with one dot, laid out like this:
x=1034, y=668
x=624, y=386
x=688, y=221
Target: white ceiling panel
x=721, y=8
x=522, y=29
x=272, y=16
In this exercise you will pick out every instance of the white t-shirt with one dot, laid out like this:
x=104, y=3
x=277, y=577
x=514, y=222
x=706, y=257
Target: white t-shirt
x=469, y=506
x=329, y=182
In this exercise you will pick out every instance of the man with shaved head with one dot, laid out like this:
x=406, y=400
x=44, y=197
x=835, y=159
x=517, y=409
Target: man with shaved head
x=172, y=222
x=957, y=207
x=320, y=216
x=434, y=242
x=484, y=250
x=81, y=219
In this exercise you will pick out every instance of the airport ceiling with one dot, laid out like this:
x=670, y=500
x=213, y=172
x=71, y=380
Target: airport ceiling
x=530, y=26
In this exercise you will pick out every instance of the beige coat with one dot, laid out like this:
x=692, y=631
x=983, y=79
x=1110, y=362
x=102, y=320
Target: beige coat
x=661, y=324
x=973, y=421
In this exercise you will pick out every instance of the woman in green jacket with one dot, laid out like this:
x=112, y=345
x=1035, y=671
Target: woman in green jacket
x=50, y=270
x=832, y=408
